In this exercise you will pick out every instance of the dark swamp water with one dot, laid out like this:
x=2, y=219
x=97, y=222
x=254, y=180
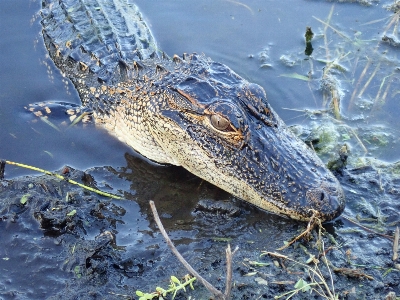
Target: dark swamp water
x=109, y=249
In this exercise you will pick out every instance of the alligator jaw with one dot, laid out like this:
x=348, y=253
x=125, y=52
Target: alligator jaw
x=278, y=186
x=235, y=140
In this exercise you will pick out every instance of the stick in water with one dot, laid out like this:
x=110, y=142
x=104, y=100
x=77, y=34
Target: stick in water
x=218, y=294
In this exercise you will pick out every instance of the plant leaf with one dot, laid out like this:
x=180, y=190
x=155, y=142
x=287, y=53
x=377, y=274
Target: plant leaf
x=174, y=279
x=24, y=199
x=302, y=285
x=71, y=213
x=295, y=76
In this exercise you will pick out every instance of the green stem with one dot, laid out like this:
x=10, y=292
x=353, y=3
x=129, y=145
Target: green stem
x=63, y=178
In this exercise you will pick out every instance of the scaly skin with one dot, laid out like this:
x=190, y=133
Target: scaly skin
x=190, y=111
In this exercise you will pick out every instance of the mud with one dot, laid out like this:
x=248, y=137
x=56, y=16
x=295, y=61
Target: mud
x=108, y=249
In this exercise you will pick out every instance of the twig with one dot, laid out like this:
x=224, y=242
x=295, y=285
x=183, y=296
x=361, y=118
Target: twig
x=229, y=255
x=315, y=271
x=396, y=244
x=327, y=265
x=209, y=286
x=380, y=89
x=369, y=80
x=386, y=91
x=325, y=35
x=314, y=220
x=334, y=29
x=274, y=254
x=241, y=4
x=358, y=273
x=359, y=140
x=2, y=167
x=353, y=95
x=396, y=25
x=335, y=102
x=323, y=254
x=60, y=177
x=366, y=228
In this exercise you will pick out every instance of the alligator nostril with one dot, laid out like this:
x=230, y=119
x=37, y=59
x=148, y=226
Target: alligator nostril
x=329, y=201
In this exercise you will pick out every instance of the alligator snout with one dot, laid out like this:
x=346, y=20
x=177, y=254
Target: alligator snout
x=328, y=201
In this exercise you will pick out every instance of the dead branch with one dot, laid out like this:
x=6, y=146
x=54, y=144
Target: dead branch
x=366, y=228
x=396, y=245
x=314, y=220
x=229, y=254
x=358, y=273
x=2, y=167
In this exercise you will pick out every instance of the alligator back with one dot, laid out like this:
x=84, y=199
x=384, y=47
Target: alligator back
x=98, y=45
x=100, y=35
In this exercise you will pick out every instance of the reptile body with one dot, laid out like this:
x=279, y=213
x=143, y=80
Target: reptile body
x=187, y=111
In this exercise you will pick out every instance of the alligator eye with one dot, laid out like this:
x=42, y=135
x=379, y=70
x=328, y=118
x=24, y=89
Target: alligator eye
x=219, y=122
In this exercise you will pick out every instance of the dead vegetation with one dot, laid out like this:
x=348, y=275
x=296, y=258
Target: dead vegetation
x=312, y=279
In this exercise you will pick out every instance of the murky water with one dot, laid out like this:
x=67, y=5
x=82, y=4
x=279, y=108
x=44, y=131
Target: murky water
x=261, y=40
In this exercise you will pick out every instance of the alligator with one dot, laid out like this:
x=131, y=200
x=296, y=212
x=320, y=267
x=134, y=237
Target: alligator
x=185, y=110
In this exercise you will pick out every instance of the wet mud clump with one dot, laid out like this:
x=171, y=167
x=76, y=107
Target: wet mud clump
x=59, y=241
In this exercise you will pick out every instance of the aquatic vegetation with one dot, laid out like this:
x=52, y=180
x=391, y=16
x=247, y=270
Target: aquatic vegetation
x=175, y=286
x=355, y=74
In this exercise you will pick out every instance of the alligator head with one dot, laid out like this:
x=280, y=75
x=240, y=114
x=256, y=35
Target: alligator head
x=221, y=128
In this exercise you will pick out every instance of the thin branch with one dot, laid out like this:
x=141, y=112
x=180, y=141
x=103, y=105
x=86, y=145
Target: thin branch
x=3, y=162
x=315, y=271
x=396, y=244
x=208, y=285
x=334, y=29
x=314, y=220
x=325, y=35
x=366, y=228
x=241, y=4
x=369, y=80
x=2, y=167
x=229, y=255
x=359, y=140
x=327, y=265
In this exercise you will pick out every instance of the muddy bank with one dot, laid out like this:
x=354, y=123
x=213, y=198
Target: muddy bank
x=66, y=243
